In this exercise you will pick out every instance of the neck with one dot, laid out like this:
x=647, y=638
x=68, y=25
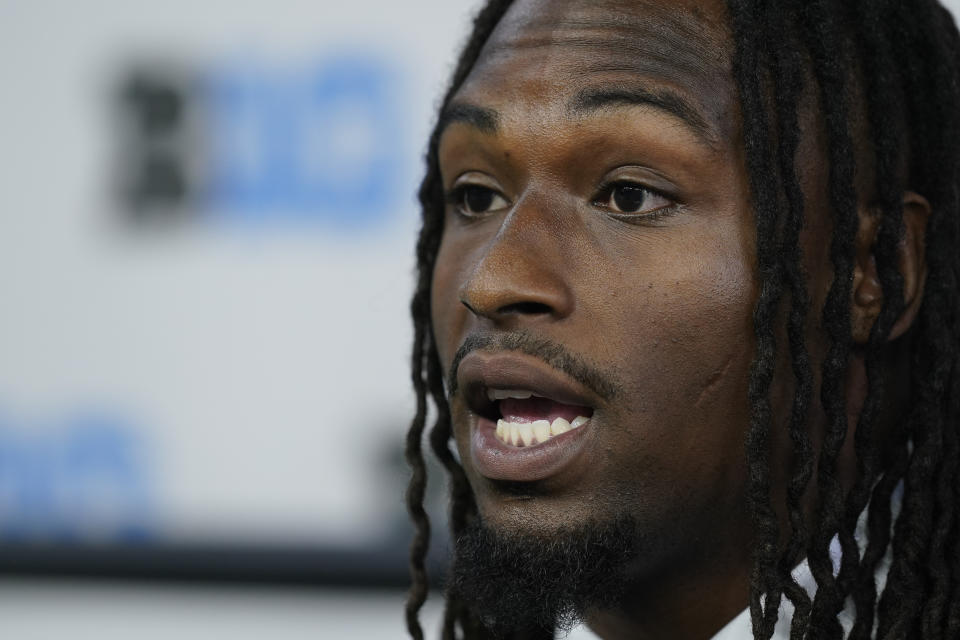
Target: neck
x=684, y=603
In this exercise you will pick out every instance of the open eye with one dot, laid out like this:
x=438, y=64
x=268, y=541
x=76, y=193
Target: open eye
x=475, y=200
x=632, y=198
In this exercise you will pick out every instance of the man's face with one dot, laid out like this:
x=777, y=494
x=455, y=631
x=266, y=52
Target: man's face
x=598, y=251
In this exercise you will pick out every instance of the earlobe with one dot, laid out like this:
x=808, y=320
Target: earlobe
x=868, y=294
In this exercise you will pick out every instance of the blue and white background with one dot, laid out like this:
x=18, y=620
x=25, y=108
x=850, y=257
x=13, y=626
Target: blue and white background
x=207, y=221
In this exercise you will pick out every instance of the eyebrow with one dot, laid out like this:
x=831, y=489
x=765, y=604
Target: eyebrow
x=588, y=100
x=595, y=99
x=481, y=118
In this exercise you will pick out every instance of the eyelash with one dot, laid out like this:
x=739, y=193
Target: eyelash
x=605, y=192
x=455, y=198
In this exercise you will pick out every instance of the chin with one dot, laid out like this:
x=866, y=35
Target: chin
x=524, y=574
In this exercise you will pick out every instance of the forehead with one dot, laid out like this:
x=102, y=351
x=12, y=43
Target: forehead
x=550, y=49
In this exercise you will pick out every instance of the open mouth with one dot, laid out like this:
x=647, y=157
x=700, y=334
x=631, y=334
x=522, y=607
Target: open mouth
x=524, y=419
x=531, y=421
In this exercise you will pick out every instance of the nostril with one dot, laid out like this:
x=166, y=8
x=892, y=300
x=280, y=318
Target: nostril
x=526, y=308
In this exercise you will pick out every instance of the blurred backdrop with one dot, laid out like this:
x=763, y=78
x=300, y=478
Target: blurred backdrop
x=207, y=221
x=206, y=256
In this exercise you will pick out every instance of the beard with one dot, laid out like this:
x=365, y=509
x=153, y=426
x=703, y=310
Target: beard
x=528, y=582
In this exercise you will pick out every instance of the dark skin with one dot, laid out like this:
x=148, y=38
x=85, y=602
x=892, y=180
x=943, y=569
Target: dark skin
x=599, y=199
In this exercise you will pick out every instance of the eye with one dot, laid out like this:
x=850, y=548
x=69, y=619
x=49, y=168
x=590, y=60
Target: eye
x=632, y=198
x=475, y=200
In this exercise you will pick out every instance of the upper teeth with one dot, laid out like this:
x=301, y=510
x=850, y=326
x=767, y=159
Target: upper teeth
x=502, y=394
x=524, y=434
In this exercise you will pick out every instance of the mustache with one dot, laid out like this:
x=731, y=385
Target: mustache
x=603, y=383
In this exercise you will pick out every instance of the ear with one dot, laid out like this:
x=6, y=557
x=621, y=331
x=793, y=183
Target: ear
x=867, y=290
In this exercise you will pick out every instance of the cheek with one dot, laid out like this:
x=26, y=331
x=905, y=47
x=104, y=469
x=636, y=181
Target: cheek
x=687, y=344
x=449, y=318
x=447, y=315
x=689, y=314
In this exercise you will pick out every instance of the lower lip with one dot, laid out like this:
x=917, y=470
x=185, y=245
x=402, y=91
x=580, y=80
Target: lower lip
x=500, y=461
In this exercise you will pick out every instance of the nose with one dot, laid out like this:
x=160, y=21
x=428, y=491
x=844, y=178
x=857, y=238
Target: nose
x=522, y=276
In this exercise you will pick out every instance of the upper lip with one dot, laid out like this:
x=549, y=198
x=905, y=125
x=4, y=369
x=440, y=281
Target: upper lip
x=482, y=370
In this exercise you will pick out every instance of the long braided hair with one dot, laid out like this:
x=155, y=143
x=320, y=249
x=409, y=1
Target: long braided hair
x=905, y=58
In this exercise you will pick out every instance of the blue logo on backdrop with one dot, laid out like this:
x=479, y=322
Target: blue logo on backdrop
x=326, y=143
x=322, y=144
x=83, y=479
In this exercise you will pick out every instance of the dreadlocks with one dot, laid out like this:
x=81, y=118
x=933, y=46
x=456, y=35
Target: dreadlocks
x=902, y=58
